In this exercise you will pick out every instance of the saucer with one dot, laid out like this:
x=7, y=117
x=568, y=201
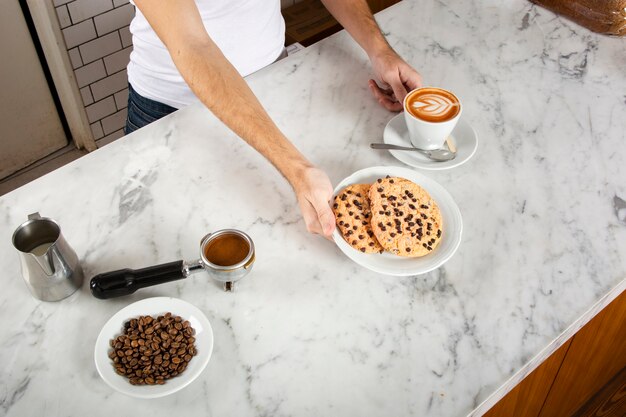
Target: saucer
x=463, y=135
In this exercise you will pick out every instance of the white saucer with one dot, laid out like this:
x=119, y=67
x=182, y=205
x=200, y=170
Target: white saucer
x=463, y=136
x=389, y=264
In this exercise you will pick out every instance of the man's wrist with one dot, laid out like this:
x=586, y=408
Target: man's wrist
x=294, y=171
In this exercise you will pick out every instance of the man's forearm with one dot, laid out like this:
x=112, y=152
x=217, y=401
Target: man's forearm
x=356, y=17
x=220, y=87
x=217, y=83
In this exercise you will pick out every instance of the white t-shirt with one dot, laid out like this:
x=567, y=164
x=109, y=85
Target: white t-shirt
x=250, y=34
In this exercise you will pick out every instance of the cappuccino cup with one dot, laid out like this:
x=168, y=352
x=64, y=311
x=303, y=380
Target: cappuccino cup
x=431, y=114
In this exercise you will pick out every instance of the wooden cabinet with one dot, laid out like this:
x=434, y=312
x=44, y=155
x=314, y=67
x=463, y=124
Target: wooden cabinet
x=585, y=377
x=308, y=21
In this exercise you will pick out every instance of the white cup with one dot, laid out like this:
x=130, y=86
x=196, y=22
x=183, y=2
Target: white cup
x=429, y=135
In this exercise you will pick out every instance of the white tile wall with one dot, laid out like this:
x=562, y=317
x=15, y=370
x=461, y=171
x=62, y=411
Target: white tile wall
x=75, y=58
x=99, y=44
x=90, y=73
x=114, y=122
x=101, y=109
x=80, y=33
x=100, y=47
x=115, y=19
x=109, y=85
x=117, y=61
x=121, y=99
x=64, y=16
x=85, y=92
x=96, y=130
x=84, y=9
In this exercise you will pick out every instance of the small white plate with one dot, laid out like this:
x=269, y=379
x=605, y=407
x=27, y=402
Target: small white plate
x=388, y=264
x=463, y=135
x=154, y=307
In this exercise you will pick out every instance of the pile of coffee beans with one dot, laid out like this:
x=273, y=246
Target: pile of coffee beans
x=152, y=350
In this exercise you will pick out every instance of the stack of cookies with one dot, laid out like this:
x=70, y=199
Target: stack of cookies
x=393, y=214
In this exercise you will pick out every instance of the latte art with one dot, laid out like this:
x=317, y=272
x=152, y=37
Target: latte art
x=433, y=105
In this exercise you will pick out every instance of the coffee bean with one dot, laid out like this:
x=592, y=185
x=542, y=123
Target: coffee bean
x=147, y=356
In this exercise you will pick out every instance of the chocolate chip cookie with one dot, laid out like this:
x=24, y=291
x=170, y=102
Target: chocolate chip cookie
x=353, y=217
x=405, y=219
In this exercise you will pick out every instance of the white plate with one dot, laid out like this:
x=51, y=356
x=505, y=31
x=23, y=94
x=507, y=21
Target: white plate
x=386, y=263
x=463, y=135
x=154, y=306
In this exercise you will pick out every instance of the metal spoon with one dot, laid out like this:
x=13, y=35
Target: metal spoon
x=436, y=154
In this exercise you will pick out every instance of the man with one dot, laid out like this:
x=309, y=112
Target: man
x=186, y=50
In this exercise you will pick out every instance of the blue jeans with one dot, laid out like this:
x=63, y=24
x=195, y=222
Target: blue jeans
x=143, y=111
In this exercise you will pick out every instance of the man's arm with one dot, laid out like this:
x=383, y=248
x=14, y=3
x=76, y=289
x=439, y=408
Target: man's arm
x=219, y=86
x=396, y=75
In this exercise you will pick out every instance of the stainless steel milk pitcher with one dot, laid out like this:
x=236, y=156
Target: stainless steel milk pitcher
x=49, y=265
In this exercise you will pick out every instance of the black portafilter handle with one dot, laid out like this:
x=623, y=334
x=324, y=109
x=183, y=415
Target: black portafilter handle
x=127, y=281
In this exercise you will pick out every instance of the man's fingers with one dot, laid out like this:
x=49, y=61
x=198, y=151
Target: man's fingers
x=398, y=88
x=326, y=218
x=310, y=217
x=384, y=98
x=411, y=78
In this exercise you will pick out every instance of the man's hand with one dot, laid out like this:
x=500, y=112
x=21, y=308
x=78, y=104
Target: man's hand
x=314, y=191
x=397, y=77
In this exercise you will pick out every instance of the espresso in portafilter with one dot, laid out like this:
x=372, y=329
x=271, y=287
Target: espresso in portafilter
x=227, y=250
x=433, y=105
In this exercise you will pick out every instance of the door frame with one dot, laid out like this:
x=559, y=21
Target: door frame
x=50, y=36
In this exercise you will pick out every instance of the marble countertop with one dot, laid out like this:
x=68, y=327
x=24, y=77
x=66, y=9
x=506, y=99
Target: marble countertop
x=309, y=332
